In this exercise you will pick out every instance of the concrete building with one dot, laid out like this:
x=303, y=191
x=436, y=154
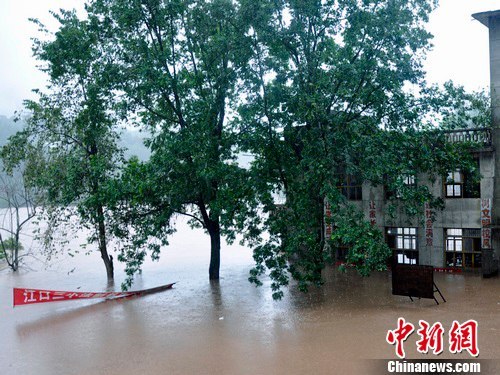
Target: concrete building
x=466, y=234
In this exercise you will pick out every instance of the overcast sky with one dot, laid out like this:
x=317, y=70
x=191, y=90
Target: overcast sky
x=460, y=46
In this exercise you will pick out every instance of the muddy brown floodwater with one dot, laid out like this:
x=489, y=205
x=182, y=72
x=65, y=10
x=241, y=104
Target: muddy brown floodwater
x=230, y=327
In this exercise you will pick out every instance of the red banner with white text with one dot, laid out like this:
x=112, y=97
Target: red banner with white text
x=30, y=296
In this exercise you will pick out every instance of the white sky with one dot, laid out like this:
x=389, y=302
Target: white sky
x=460, y=46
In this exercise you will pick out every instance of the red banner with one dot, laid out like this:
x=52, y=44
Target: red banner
x=486, y=223
x=30, y=296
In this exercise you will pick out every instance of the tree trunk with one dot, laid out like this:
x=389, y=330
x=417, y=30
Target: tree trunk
x=15, y=250
x=107, y=259
x=214, y=231
x=15, y=257
x=108, y=262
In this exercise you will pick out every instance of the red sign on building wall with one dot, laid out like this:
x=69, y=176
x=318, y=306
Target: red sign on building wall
x=429, y=233
x=372, y=213
x=328, y=224
x=486, y=223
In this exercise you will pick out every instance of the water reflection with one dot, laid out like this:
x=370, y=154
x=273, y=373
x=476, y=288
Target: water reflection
x=24, y=330
x=216, y=293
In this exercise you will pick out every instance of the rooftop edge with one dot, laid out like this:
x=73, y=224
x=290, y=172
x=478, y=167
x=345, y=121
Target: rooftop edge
x=484, y=17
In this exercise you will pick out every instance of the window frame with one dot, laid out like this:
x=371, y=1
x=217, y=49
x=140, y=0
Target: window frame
x=402, y=235
x=451, y=182
x=464, y=257
x=467, y=189
x=350, y=187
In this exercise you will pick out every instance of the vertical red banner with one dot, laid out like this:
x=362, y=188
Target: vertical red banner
x=429, y=232
x=328, y=224
x=372, y=213
x=486, y=223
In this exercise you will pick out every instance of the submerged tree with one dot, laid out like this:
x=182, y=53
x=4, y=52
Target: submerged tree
x=178, y=64
x=73, y=130
x=20, y=205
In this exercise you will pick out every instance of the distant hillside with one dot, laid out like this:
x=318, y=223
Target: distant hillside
x=8, y=127
x=131, y=140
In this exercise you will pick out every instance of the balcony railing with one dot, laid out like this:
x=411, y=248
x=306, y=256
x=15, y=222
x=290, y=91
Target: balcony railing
x=479, y=135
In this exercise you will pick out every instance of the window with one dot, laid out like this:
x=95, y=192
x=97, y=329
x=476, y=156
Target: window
x=463, y=248
x=350, y=187
x=341, y=253
x=403, y=242
x=454, y=185
x=462, y=185
x=409, y=181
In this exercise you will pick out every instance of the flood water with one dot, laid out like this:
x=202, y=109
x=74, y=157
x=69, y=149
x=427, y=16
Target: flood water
x=230, y=327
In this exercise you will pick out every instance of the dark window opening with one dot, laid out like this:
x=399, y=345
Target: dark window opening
x=341, y=253
x=463, y=248
x=350, y=187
